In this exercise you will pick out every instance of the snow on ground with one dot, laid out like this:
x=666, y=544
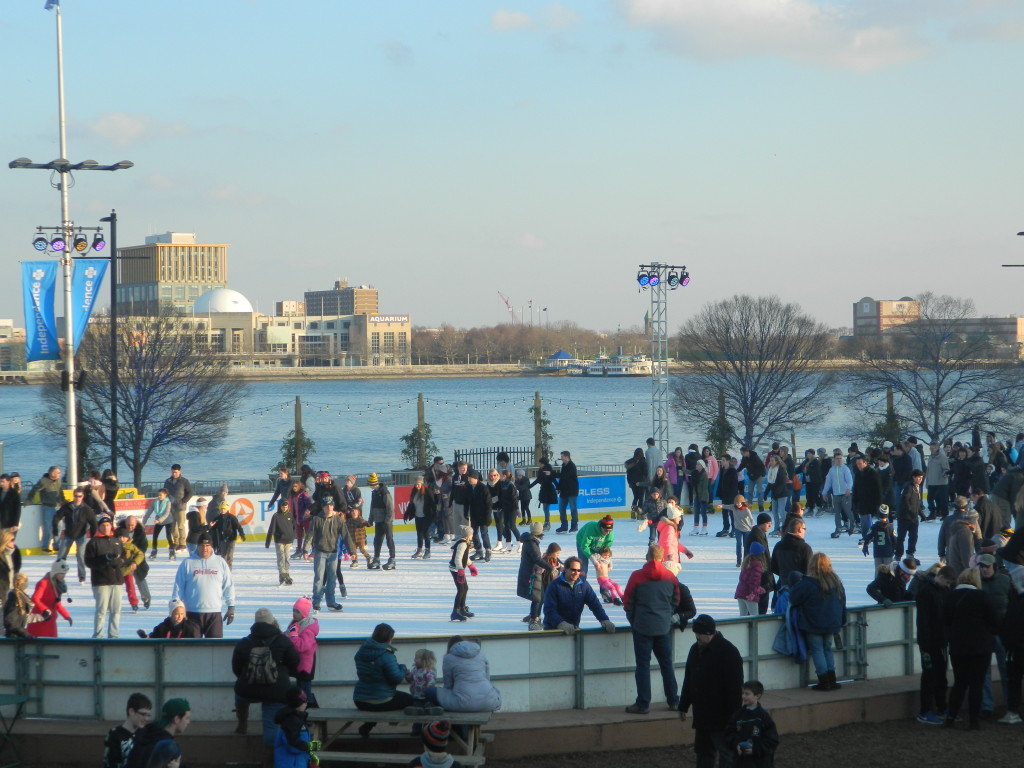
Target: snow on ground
x=417, y=597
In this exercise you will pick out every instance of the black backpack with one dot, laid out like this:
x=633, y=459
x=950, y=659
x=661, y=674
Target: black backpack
x=262, y=668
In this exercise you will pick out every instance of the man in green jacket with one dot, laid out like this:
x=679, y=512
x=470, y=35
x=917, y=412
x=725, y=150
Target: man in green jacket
x=592, y=537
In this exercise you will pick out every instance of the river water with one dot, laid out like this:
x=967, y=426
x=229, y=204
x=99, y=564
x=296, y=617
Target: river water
x=356, y=424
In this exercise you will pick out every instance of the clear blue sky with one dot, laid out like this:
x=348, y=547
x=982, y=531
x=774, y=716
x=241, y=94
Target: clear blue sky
x=443, y=151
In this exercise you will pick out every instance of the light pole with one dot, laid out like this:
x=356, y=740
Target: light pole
x=63, y=167
x=659, y=278
x=112, y=220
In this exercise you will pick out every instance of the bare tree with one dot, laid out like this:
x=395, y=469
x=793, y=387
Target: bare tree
x=173, y=394
x=759, y=354
x=947, y=376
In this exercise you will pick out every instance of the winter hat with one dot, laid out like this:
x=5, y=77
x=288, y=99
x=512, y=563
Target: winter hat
x=372, y=479
x=887, y=444
x=59, y=566
x=908, y=566
x=204, y=538
x=537, y=529
x=465, y=530
x=672, y=512
x=265, y=616
x=883, y=511
x=970, y=516
x=303, y=605
x=757, y=548
x=520, y=473
x=763, y=518
x=122, y=531
x=225, y=505
x=607, y=523
x=295, y=697
x=352, y=478
x=174, y=604
x=173, y=708
x=673, y=567
x=418, y=479
x=704, y=625
x=435, y=735
x=104, y=519
x=987, y=547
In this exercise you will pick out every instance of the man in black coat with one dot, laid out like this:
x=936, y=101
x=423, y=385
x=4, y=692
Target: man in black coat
x=791, y=554
x=568, y=491
x=712, y=685
x=932, y=593
x=867, y=494
x=259, y=680
x=10, y=503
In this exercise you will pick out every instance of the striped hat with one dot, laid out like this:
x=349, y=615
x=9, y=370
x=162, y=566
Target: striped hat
x=435, y=735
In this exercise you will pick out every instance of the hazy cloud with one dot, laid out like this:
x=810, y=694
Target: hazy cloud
x=530, y=242
x=558, y=16
x=398, y=53
x=505, y=20
x=840, y=34
x=159, y=181
x=123, y=129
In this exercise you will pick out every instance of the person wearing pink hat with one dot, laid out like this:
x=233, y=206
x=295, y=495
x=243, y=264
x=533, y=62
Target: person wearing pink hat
x=302, y=631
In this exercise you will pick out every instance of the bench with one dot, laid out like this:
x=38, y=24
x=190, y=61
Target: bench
x=472, y=748
x=392, y=758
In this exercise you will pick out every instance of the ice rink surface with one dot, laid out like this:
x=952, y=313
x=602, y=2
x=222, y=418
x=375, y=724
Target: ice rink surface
x=416, y=597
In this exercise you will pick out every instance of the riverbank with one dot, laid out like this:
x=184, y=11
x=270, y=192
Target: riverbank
x=459, y=371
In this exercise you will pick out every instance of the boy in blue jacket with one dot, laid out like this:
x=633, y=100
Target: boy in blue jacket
x=751, y=732
x=882, y=538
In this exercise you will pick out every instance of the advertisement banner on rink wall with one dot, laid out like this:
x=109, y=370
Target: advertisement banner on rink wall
x=597, y=491
x=86, y=276
x=39, y=280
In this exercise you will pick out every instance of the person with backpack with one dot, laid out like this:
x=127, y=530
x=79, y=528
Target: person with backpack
x=262, y=662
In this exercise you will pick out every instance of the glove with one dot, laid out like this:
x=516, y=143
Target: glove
x=608, y=626
x=230, y=615
x=689, y=555
x=460, y=577
x=47, y=614
x=568, y=628
x=472, y=570
x=141, y=633
x=315, y=746
x=887, y=603
x=314, y=759
x=865, y=551
x=642, y=527
x=70, y=622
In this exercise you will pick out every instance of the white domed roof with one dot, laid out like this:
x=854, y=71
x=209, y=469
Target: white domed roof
x=221, y=300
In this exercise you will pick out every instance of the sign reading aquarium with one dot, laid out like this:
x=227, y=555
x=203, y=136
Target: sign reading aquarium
x=602, y=491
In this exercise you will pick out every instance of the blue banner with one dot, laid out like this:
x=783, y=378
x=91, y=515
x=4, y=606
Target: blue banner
x=86, y=278
x=39, y=279
x=598, y=491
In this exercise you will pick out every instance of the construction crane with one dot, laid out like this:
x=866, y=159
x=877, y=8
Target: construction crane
x=508, y=306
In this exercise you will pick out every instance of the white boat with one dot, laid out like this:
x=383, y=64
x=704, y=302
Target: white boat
x=617, y=365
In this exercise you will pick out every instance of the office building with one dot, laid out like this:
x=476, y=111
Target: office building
x=343, y=300
x=170, y=270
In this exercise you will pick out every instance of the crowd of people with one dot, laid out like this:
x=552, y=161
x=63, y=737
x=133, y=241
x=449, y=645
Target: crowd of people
x=969, y=602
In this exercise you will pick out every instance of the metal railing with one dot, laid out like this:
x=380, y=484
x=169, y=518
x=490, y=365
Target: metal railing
x=91, y=679
x=483, y=458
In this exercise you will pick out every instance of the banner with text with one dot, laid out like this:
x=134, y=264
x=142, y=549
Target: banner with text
x=39, y=280
x=601, y=491
x=85, y=283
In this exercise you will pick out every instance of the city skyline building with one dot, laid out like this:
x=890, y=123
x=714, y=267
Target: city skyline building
x=170, y=270
x=343, y=300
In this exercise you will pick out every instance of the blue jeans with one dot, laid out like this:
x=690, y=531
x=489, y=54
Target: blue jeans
x=700, y=512
x=47, y=535
x=64, y=546
x=987, y=702
x=779, y=512
x=269, y=710
x=755, y=490
x=662, y=647
x=324, y=577
x=563, y=502
x=820, y=647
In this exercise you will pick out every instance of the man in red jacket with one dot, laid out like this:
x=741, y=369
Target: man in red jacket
x=651, y=597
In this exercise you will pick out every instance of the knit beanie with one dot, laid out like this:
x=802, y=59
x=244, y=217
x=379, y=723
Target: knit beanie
x=303, y=605
x=435, y=735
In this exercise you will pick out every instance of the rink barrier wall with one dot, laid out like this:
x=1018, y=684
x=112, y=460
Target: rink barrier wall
x=535, y=671
x=599, y=495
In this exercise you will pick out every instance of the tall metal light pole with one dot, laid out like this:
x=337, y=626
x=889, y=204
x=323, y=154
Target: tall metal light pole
x=64, y=167
x=659, y=279
x=112, y=220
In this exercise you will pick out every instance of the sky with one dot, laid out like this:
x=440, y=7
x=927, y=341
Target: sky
x=446, y=151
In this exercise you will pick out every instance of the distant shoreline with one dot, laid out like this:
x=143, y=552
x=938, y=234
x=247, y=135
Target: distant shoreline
x=463, y=371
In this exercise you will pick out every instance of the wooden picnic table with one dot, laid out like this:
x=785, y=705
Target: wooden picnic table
x=319, y=719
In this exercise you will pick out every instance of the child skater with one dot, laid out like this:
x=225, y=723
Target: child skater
x=303, y=631
x=525, y=497
x=282, y=531
x=602, y=561
x=881, y=538
x=749, y=590
x=751, y=732
x=357, y=528
x=458, y=566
